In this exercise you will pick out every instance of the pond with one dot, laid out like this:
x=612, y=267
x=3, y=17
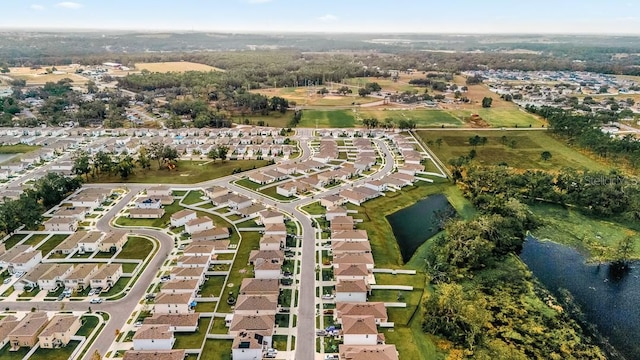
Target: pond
x=613, y=305
x=413, y=225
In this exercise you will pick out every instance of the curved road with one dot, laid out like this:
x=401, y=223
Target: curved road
x=120, y=310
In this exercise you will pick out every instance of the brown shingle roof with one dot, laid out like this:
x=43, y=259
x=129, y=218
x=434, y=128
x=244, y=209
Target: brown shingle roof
x=154, y=331
x=154, y=355
x=59, y=324
x=173, y=319
x=359, y=325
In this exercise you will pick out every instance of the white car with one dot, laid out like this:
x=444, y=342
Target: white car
x=327, y=297
x=96, y=301
x=6, y=281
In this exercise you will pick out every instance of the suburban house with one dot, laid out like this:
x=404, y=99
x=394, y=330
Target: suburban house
x=30, y=280
x=81, y=276
x=181, y=217
x=237, y=202
x=287, y=189
x=181, y=287
x=249, y=345
x=146, y=213
x=7, y=324
x=375, y=309
x=258, y=323
x=61, y=224
x=376, y=185
x=70, y=244
x=216, y=233
x=176, y=322
x=348, y=259
x=90, y=242
x=350, y=235
x=187, y=273
x=113, y=242
x=270, y=217
x=352, y=291
x=198, y=224
x=106, y=276
x=20, y=258
x=374, y=352
x=55, y=276
x=153, y=337
x=59, y=331
x=270, y=255
x=194, y=261
x=25, y=334
x=256, y=305
x=157, y=191
x=216, y=191
x=148, y=203
x=343, y=247
x=335, y=211
x=199, y=249
x=154, y=355
x=272, y=242
x=251, y=211
x=173, y=303
x=251, y=286
x=359, y=330
x=276, y=229
x=267, y=269
x=286, y=169
x=80, y=213
x=340, y=223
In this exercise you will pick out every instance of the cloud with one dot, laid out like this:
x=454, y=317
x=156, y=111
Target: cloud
x=258, y=1
x=36, y=7
x=328, y=18
x=69, y=5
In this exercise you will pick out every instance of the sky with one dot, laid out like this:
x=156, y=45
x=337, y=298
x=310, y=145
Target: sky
x=381, y=16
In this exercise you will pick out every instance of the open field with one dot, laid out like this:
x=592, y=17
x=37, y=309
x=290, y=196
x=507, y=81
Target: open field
x=524, y=155
x=422, y=117
x=387, y=85
x=40, y=77
x=187, y=172
x=175, y=66
x=308, y=96
x=136, y=248
x=597, y=238
x=17, y=149
x=162, y=222
x=500, y=117
x=327, y=119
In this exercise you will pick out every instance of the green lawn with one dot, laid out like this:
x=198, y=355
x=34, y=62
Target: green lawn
x=240, y=269
x=327, y=119
x=13, y=240
x=212, y=286
x=136, y=248
x=5, y=354
x=55, y=354
x=53, y=241
x=17, y=148
x=248, y=184
x=315, y=208
x=523, y=153
x=162, y=222
x=501, y=117
x=193, y=197
x=117, y=287
x=247, y=224
x=208, y=306
x=35, y=239
x=193, y=340
x=280, y=342
x=272, y=192
x=423, y=118
x=187, y=172
x=217, y=350
x=89, y=323
x=596, y=237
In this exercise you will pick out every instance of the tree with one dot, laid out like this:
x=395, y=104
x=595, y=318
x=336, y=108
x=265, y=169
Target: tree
x=323, y=91
x=169, y=154
x=91, y=87
x=102, y=162
x=344, y=90
x=143, y=159
x=125, y=167
x=623, y=252
x=213, y=154
x=546, y=156
x=364, y=92
x=155, y=152
x=82, y=165
x=96, y=355
x=222, y=152
x=439, y=142
x=373, y=87
x=486, y=102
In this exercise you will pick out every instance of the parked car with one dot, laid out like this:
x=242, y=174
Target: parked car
x=331, y=357
x=96, y=301
x=327, y=297
x=6, y=281
x=138, y=324
x=92, y=292
x=60, y=297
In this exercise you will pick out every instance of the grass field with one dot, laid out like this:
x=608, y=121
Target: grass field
x=162, y=222
x=50, y=244
x=423, y=118
x=55, y=354
x=212, y=286
x=304, y=96
x=525, y=155
x=217, y=350
x=187, y=172
x=175, y=66
x=327, y=119
x=240, y=269
x=17, y=149
x=40, y=77
x=136, y=248
x=501, y=117
x=597, y=238
x=387, y=85
x=193, y=340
